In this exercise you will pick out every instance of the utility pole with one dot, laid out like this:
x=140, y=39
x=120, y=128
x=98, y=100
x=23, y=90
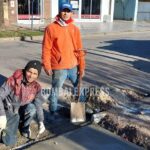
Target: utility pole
x=32, y=2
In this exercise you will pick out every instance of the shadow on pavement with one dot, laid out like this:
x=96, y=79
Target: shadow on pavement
x=134, y=48
x=55, y=128
x=142, y=65
x=121, y=63
x=32, y=41
x=138, y=48
x=2, y=79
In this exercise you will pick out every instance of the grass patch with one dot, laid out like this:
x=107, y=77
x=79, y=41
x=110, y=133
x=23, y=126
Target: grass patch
x=19, y=33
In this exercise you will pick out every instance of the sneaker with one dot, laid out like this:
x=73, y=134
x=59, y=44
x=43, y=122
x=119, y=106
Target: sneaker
x=26, y=134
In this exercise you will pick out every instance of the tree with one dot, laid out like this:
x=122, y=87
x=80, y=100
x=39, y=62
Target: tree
x=1, y=13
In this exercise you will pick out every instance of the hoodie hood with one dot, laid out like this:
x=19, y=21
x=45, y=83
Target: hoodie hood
x=62, y=22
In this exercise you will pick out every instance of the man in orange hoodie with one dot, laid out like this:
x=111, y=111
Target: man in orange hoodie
x=62, y=53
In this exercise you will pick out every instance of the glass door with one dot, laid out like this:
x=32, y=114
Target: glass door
x=90, y=9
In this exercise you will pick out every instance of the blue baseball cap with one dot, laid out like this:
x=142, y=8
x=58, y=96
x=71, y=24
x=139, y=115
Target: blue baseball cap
x=66, y=6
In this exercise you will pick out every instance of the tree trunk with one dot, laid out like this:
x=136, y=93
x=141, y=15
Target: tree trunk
x=1, y=13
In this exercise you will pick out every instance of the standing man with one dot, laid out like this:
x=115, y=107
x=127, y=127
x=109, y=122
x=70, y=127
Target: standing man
x=62, y=53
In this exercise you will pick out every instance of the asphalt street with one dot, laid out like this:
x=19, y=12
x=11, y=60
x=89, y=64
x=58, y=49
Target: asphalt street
x=118, y=60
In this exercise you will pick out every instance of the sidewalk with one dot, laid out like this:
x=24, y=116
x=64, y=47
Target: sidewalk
x=105, y=28
x=116, y=27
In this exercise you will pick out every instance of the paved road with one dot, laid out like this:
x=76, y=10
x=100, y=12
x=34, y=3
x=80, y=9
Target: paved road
x=121, y=60
x=118, y=60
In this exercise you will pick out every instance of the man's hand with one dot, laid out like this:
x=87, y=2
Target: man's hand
x=3, y=122
x=48, y=72
x=81, y=73
x=41, y=127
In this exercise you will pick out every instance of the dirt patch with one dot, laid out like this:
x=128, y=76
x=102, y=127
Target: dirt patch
x=124, y=112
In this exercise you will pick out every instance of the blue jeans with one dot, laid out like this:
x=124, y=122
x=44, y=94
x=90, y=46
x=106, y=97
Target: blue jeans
x=58, y=79
x=26, y=114
x=9, y=135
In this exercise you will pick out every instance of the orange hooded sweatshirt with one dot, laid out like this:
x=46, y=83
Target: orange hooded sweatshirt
x=62, y=47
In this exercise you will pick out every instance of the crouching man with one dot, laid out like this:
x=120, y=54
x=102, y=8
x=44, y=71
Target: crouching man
x=20, y=100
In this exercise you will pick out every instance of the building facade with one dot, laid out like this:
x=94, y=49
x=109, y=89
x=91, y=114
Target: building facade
x=92, y=10
x=125, y=10
x=143, y=13
x=43, y=11
x=26, y=11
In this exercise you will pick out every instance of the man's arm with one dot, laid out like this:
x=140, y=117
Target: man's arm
x=46, y=51
x=4, y=91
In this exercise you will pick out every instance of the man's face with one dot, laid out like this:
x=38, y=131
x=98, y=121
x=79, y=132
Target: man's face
x=31, y=75
x=65, y=14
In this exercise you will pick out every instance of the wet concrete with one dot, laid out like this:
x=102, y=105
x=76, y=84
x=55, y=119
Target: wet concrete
x=86, y=138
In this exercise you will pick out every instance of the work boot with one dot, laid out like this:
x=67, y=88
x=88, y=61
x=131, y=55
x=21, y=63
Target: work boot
x=26, y=134
x=54, y=116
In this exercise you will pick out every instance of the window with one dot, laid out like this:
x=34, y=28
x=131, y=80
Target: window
x=25, y=9
x=90, y=9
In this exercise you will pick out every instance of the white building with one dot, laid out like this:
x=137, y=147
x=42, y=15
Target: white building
x=42, y=11
x=88, y=10
x=143, y=13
